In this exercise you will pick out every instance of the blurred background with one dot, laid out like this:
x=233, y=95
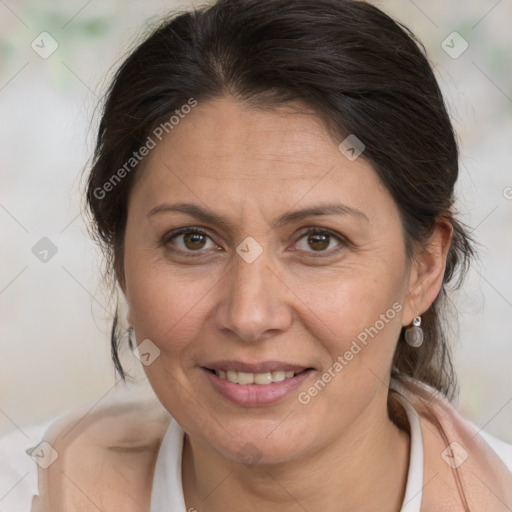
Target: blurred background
x=56, y=58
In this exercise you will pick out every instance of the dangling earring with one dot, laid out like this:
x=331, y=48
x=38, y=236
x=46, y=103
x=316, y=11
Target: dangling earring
x=414, y=333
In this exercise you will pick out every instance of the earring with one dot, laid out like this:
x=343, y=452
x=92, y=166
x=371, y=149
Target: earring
x=414, y=333
x=131, y=337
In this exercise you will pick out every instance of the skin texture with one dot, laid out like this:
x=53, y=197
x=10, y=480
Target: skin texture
x=293, y=303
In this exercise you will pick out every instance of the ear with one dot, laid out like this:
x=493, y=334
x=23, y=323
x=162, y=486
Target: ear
x=427, y=271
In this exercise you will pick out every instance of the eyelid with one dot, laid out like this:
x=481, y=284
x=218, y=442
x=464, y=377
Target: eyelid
x=181, y=231
x=344, y=242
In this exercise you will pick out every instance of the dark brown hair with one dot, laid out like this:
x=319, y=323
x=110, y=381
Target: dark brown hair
x=358, y=69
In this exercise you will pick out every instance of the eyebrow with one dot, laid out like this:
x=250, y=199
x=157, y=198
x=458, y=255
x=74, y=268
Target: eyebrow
x=283, y=220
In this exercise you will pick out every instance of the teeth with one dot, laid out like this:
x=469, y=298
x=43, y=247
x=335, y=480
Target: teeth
x=262, y=378
x=245, y=378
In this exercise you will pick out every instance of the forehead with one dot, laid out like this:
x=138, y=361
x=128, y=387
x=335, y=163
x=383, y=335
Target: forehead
x=231, y=131
x=224, y=149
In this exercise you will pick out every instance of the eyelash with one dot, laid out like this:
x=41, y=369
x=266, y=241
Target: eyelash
x=311, y=231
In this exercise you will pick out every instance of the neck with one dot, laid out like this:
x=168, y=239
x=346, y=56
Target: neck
x=364, y=469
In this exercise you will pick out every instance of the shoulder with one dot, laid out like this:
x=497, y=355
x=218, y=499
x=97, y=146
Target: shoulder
x=101, y=455
x=430, y=403
x=502, y=448
x=459, y=458
x=18, y=470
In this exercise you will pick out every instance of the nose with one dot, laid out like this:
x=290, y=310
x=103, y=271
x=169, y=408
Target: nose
x=255, y=301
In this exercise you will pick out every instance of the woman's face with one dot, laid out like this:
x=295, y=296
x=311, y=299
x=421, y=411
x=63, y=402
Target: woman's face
x=257, y=286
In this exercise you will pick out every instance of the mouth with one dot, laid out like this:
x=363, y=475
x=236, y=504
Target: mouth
x=266, y=384
x=261, y=379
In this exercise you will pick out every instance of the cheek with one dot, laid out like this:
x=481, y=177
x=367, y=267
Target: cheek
x=161, y=307
x=356, y=315
x=169, y=305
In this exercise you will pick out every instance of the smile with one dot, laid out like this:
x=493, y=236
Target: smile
x=262, y=379
x=248, y=389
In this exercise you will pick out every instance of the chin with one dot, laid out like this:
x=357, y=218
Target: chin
x=259, y=448
x=257, y=453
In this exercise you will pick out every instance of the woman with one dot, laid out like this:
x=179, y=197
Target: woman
x=273, y=185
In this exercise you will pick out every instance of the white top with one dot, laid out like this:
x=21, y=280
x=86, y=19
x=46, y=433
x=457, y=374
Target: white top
x=18, y=471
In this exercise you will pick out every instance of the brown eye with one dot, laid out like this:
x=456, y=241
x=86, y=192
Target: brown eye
x=189, y=240
x=320, y=240
x=194, y=241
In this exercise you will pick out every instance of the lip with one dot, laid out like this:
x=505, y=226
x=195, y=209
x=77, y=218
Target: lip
x=261, y=367
x=256, y=395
